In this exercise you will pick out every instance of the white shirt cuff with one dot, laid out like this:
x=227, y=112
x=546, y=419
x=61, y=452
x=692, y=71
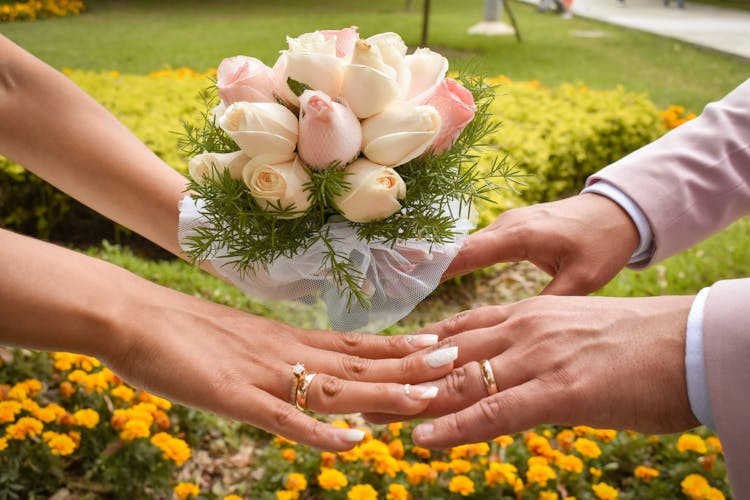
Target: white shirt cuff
x=645, y=248
x=695, y=367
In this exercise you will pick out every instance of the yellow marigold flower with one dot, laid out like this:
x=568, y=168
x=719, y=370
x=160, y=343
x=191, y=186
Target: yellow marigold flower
x=468, y=451
x=419, y=472
x=548, y=495
x=134, y=429
x=186, y=490
x=287, y=495
x=396, y=448
x=540, y=474
x=232, y=497
x=45, y=414
x=296, y=481
x=59, y=444
x=605, y=435
x=24, y=427
x=439, y=466
x=460, y=466
x=587, y=448
x=149, y=398
x=518, y=486
x=349, y=455
x=3, y=443
x=373, y=449
x=570, y=463
x=603, y=491
x=714, y=444
x=362, y=492
x=174, y=449
x=289, y=455
x=565, y=439
x=421, y=452
x=463, y=485
x=695, y=486
x=123, y=392
x=570, y=498
x=645, y=473
x=715, y=494
x=18, y=392
x=536, y=461
x=342, y=424
x=595, y=472
x=500, y=473
x=504, y=441
x=583, y=430
x=691, y=442
x=33, y=386
x=86, y=417
x=327, y=459
x=539, y=445
x=395, y=428
x=397, y=492
x=387, y=466
x=331, y=479
x=9, y=410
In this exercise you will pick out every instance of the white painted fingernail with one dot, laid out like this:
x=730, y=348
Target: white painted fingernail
x=421, y=391
x=423, y=340
x=442, y=356
x=353, y=435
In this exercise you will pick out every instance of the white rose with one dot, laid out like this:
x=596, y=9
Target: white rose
x=311, y=60
x=278, y=184
x=209, y=165
x=393, y=51
x=427, y=70
x=261, y=128
x=400, y=133
x=373, y=194
x=369, y=84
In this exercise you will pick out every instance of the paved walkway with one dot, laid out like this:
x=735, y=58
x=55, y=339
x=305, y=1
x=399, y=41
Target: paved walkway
x=724, y=30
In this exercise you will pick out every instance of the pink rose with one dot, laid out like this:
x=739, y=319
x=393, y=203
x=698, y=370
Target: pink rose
x=345, y=40
x=456, y=107
x=243, y=78
x=329, y=132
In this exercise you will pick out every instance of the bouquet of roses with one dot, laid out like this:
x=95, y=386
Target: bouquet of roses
x=340, y=176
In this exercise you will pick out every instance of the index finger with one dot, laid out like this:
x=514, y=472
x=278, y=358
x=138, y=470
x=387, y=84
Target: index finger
x=486, y=247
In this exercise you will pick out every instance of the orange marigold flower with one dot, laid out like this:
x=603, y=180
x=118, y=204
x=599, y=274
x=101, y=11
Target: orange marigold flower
x=147, y=397
x=24, y=427
x=59, y=444
x=397, y=492
x=713, y=444
x=296, y=481
x=587, y=448
x=123, y=392
x=500, y=473
x=362, y=492
x=418, y=473
x=327, y=459
x=539, y=445
x=373, y=449
x=289, y=455
x=504, y=441
x=570, y=463
x=603, y=491
x=232, y=497
x=287, y=495
x=174, y=449
x=282, y=441
x=439, y=466
x=463, y=485
x=396, y=448
x=66, y=389
x=540, y=474
x=421, y=452
x=691, y=442
x=605, y=435
x=331, y=479
x=3, y=443
x=645, y=473
x=395, y=428
x=185, y=490
x=9, y=410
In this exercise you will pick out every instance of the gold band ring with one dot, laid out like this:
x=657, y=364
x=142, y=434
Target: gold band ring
x=298, y=370
x=488, y=377
x=300, y=398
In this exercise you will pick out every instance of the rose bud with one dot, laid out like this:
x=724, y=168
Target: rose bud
x=400, y=133
x=210, y=165
x=345, y=40
x=427, y=70
x=243, y=78
x=373, y=193
x=456, y=106
x=369, y=84
x=328, y=131
x=277, y=184
x=261, y=128
x=310, y=60
x=393, y=52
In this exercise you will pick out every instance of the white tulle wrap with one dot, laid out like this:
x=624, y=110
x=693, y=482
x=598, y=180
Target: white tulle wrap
x=397, y=277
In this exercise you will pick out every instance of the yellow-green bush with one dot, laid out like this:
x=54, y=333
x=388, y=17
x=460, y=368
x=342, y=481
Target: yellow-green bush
x=561, y=135
x=36, y=9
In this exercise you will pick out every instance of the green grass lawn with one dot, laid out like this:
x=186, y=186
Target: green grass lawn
x=140, y=36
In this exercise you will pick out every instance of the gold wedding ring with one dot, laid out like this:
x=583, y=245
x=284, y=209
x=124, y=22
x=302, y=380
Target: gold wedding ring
x=300, y=398
x=488, y=377
x=298, y=370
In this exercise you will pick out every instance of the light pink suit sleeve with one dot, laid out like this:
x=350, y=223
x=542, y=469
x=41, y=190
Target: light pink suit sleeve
x=691, y=183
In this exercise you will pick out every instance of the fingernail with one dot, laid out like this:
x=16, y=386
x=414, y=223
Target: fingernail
x=353, y=435
x=442, y=356
x=420, y=391
x=423, y=431
x=423, y=340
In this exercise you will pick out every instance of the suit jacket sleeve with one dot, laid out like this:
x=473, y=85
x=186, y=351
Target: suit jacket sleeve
x=691, y=183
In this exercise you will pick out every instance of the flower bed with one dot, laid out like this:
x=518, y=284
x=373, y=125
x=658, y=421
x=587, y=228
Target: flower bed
x=36, y=9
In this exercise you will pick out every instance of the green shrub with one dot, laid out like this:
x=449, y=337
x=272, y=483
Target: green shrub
x=561, y=135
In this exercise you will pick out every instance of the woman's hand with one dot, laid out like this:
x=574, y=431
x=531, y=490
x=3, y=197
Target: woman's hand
x=582, y=242
x=206, y=355
x=600, y=361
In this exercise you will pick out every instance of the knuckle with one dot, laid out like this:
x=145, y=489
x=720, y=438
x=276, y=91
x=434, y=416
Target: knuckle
x=351, y=340
x=456, y=380
x=456, y=322
x=490, y=409
x=284, y=416
x=330, y=387
x=355, y=367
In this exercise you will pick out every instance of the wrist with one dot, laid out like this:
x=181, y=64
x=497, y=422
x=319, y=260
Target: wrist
x=612, y=219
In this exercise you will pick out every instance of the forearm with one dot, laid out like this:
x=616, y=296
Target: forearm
x=57, y=131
